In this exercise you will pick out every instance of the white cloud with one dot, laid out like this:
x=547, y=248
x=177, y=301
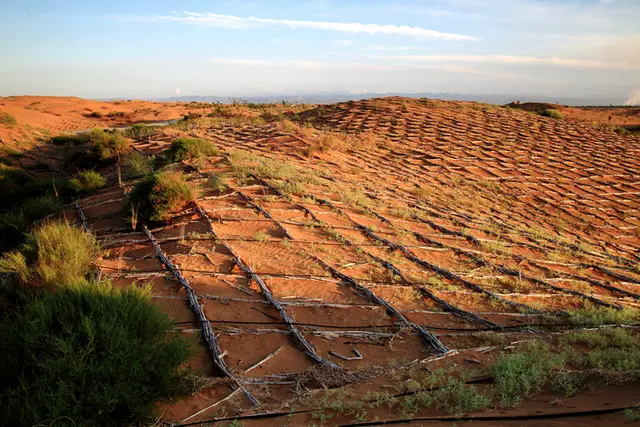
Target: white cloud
x=516, y=59
x=385, y=47
x=237, y=22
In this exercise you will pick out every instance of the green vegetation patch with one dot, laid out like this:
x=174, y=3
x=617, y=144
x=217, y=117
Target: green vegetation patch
x=554, y=114
x=54, y=254
x=282, y=175
x=7, y=119
x=592, y=316
x=157, y=196
x=88, y=355
x=87, y=181
x=189, y=149
x=137, y=164
x=105, y=144
x=520, y=375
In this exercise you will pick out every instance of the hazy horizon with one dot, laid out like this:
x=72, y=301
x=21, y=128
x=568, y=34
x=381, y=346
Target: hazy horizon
x=542, y=48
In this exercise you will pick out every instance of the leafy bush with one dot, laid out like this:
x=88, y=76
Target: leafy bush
x=53, y=254
x=137, y=164
x=108, y=144
x=87, y=181
x=87, y=355
x=159, y=195
x=30, y=211
x=105, y=144
x=189, y=149
x=554, y=114
x=138, y=130
x=16, y=186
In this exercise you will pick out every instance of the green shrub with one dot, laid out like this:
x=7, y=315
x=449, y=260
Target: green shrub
x=16, y=186
x=105, y=144
x=458, y=398
x=87, y=181
x=27, y=213
x=554, y=114
x=189, y=149
x=108, y=144
x=216, y=182
x=159, y=195
x=88, y=355
x=54, y=254
x=7, y=119
x=70, y=139
x=137, y=164
x=520, y=375
x=592, y=316
x=138, y=130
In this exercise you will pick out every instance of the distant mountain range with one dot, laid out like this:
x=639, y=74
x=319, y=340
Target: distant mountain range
x=326, y=98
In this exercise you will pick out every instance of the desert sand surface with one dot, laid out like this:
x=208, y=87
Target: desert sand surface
x=419, y=234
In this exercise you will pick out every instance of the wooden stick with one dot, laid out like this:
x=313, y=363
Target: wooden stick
x=255, y=365
x=230, y=396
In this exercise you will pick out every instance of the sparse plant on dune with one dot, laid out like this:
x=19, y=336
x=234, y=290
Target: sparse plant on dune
x=158, y=196
x=137, y=164
x=47, y=249
x=189, y=149
x=554, y=114
x=87, y=181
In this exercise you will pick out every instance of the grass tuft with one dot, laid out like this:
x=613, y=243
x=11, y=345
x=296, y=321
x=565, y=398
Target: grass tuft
x=54, y=254
x=554, y=114
x=87, y=181
x=189, y=149
x=520, y=375
x=159, y=195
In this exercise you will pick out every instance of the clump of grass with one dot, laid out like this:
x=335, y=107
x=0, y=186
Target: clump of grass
x=458, y=398
x=105, y=144
x=554, y=114
x=610, y=350
x=632, y=415
x=566, y=383
x=261, y=236
x=87, y=181
x=88, y=355
x=189, y=149
x=136, y=165
x=108, y=144
x=522, y=374
x=139, y=129
x=54, y=254
x=159, y=195
x=592, y=316
x=216, y=182
x=28, y=212
x=8, y=119
x=282, y=175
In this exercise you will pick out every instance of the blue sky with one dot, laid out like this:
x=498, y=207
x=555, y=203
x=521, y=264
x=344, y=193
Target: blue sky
x=241, y=47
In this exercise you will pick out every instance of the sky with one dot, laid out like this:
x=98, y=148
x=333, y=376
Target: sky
x=162, y=48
